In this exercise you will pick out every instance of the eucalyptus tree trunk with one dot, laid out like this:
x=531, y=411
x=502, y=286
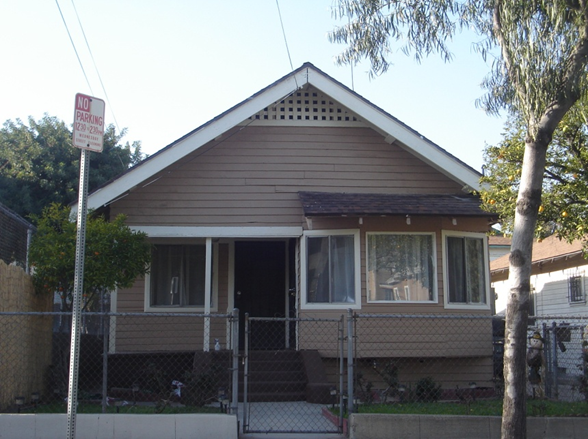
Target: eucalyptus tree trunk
x=514, y=425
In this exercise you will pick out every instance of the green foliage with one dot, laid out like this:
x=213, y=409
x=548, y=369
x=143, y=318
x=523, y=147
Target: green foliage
x=564, y=202
x=39, y=165
x=388, y=373
x=115, y=255
x=427, y=390
x=202, y=386
x=535, y=46
x=490, y=407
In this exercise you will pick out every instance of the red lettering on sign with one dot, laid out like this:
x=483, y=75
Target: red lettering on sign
x=83, y=102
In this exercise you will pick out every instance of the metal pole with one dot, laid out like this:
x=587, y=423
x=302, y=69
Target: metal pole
x=245, y=372
x=547, y=366
x=350, y=375
x=554, y=356
x=341, y=368
x=74, y=357
x=235, y=339
x=29, y=237
x=105, y=335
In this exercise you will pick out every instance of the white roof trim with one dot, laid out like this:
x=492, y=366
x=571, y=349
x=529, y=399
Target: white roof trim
x=219, y=232
x=199, y=138
x=392, y=129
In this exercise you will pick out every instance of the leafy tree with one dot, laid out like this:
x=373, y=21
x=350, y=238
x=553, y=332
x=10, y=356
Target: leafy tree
x=39, y=165
x=114, y=255
x=564, y=201
x=539, y=72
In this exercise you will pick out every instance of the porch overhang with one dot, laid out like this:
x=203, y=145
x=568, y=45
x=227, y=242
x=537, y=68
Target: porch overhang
x=219, y=232
x=333, y=204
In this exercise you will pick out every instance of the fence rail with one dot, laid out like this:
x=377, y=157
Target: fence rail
x=134, y=362
x=189, y=362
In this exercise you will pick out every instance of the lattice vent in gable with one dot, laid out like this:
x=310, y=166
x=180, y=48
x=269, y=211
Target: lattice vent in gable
x=306, y=107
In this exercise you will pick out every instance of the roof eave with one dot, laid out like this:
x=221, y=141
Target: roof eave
x=423, y=148
x=393, y=129
x=197, y=138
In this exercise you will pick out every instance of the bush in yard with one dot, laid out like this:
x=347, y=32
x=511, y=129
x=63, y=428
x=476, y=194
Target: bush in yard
x=427, y=390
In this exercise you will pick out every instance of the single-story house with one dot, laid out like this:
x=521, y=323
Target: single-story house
x=304, y=200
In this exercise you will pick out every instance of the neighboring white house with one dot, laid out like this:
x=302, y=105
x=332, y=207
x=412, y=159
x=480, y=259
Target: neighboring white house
x=498, y=246
x=559, y=310
x=558, y=279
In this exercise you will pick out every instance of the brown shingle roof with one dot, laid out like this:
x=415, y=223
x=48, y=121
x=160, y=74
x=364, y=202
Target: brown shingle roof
x=499, y=240
x=337, y=204
x=549, y=248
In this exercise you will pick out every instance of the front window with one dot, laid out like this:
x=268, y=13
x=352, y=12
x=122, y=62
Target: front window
x=400, y=267
x=331, y=269
x=177, y=276
x=466, y=270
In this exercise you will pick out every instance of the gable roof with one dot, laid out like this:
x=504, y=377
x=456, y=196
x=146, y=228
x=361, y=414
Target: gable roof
x=328, y=204
x=307, y=75
x=550, y=249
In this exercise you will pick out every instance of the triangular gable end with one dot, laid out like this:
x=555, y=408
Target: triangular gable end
x=307, y=106
x=319, y=100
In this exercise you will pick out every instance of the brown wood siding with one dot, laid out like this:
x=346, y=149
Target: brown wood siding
x=251, y=176
x=156, y=333
x=423, y=337
x=450, y=373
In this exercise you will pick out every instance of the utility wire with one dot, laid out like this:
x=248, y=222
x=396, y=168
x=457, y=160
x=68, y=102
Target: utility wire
x=95, y=66
x=285, y=40
x=74, y=46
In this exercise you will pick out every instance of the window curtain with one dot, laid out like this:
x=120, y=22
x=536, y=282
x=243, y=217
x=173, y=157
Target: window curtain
x=343, y=270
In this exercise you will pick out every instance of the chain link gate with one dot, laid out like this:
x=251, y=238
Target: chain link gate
x=293, y=374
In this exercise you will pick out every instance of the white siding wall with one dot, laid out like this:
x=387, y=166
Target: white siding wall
x=551, y=293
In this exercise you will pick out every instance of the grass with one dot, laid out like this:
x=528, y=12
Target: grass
x=542, y=408
x=90, y=408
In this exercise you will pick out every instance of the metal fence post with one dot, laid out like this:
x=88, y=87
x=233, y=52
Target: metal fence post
x=554, y=356
x=341, y=368
x=350, y=362
x=105, y=337
x=245, y=372
x=235, y=342
x=547, y=358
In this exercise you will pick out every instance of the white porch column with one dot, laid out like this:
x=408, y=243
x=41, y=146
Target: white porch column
x=207, y=293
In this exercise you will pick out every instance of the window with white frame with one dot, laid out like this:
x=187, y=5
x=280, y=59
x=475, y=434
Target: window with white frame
x=401, y=267
x=177, y=276
x=330, y=269
x=575, y=289
x=466, y=270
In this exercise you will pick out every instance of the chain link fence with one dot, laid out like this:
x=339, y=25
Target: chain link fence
x=15, y=237
x=129, y=363
x=293, y=371
x=561, y=369
x=290, y=372
x=417, y=359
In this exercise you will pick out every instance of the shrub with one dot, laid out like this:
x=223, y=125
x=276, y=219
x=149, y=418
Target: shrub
x=427, y=390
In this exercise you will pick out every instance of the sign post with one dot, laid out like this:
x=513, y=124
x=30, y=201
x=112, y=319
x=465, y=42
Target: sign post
x=88, y=135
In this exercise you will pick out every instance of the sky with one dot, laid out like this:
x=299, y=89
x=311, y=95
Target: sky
x=165, y=67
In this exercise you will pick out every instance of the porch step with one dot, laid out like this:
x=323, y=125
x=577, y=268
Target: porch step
x=274, y=376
